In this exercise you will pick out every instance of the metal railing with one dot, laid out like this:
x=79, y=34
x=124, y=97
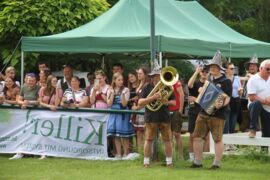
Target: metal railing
x=94, y=110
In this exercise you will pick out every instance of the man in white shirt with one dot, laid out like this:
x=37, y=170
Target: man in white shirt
x=259, y=100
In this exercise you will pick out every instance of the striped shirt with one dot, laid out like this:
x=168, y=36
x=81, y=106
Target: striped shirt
x=68, y=94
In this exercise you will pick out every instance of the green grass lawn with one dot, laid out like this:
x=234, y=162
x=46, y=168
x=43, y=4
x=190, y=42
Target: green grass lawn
x=58, y=168
x=251, y=166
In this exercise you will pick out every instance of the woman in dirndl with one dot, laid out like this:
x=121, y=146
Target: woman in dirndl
x=119, y=125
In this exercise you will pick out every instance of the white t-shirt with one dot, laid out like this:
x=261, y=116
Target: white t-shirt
x=1, y=89
x=260, y=87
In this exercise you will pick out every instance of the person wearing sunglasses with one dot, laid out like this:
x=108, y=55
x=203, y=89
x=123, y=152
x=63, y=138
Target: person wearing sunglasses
x=259, y=100
x=235, y=99
x=195, y=82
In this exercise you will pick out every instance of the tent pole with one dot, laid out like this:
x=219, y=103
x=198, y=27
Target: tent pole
x=103, y=62
x=153, y=59
x=152, y=27
x=166, y=62
x=22, y=68
x=230, y=52
x=160, y=59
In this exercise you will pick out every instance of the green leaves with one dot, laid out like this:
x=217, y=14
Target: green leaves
x=42, y=17
x=7, y=54
x=51, y=28
x=36, y=18
x=248, y=17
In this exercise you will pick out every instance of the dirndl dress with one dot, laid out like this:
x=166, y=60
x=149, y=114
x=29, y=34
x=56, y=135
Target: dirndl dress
x=119, y=125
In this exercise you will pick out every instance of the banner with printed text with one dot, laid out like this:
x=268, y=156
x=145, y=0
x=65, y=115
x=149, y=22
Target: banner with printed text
x=61, y=134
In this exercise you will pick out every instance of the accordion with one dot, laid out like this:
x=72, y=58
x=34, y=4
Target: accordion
x=209, y=95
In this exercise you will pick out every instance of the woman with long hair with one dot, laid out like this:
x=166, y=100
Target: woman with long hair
x=98, y=95
x=50, y=96
x=43, y=75
x=11, y=91
x=10, y=72
x=237, y=91
x=119, y=125
x=139, y=121
x=132, y=86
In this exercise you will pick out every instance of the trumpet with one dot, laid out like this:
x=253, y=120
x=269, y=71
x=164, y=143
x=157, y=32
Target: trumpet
x=168, y=77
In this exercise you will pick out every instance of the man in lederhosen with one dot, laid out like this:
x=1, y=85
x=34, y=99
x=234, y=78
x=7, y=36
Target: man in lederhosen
x=215, y=122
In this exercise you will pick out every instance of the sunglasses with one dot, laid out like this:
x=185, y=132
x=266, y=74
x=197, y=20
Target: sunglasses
x=231, y=68
x=204, y=71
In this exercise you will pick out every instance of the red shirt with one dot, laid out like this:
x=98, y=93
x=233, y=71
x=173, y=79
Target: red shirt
x=177, y=97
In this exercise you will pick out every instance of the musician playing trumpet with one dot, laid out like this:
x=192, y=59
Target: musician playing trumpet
x=157, y=116
x=215, y=121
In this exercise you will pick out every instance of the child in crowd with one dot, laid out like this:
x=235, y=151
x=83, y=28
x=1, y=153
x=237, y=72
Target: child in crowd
x=119, y=125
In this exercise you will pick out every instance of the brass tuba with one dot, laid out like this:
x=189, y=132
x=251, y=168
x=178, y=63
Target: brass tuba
x=168, y=77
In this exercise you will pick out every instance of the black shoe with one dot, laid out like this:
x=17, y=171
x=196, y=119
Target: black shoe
x=196, y=165
x=214, y=167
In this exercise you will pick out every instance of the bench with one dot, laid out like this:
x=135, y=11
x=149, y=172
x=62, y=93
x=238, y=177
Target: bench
x=242, y=139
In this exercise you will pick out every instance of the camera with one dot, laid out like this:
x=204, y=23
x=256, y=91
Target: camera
x=69, y=101
x=96, y=82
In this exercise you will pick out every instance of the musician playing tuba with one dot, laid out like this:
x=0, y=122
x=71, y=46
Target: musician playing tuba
x=156, y=97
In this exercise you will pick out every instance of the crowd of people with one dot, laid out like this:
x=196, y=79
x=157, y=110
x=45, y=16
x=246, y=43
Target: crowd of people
x=134, y=92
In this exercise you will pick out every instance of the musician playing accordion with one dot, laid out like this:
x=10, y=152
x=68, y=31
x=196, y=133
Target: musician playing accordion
x=213, y=121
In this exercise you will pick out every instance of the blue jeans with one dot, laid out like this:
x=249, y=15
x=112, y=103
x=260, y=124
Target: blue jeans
x=227, y=121
x=231, y=117
x=255, y=111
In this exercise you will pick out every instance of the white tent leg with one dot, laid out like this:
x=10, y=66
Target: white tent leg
x=160, y=59
x=230, y=53
x=166, y=62
x=103, y=62
x=22, y=68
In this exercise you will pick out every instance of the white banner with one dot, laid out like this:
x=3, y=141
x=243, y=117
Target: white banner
x=61, y=133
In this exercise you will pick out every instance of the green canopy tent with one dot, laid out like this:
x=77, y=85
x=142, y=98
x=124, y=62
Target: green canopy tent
x=181, y=28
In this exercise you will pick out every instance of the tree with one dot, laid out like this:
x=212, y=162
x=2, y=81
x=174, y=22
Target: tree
x=41, y=17
x=184, y=67
x=112, y=2
x=263, y=24
x=249, y=17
